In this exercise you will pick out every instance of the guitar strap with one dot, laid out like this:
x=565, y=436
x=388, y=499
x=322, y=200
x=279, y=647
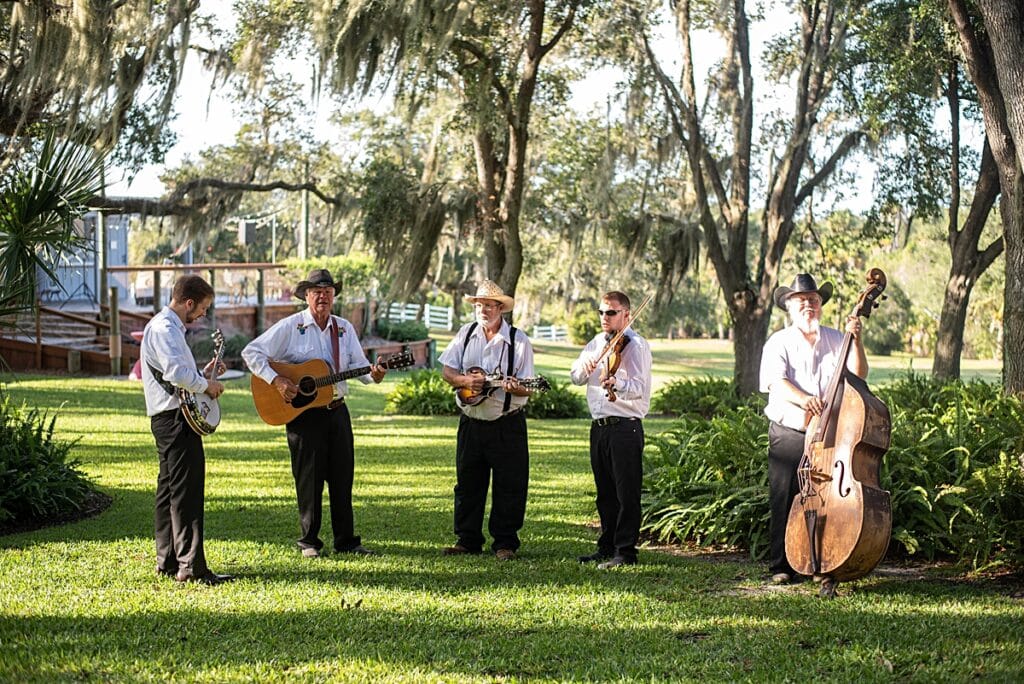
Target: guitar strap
x=159, y=377
x=334, y=345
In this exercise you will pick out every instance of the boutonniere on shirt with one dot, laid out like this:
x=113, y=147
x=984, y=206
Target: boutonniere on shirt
x=341, y=331
x=302, y=328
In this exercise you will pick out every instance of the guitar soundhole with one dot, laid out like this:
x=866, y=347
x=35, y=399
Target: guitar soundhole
x=307, y=386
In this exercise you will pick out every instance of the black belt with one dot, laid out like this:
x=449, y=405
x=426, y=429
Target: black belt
x=336, y=403
x=611, y=420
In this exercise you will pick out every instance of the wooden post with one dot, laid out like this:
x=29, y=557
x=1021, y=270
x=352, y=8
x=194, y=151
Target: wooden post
x=39, y=336
x=115, y=332
x=261, y=314
x=211, y=314
x=432, y=353
x=156, y=292
x=102, y=244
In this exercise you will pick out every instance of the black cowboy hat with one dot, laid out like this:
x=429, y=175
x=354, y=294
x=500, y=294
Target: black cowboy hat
x=803, y=282
x=318, y=277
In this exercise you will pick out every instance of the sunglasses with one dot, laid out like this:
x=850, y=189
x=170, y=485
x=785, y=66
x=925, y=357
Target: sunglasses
x=608, y=312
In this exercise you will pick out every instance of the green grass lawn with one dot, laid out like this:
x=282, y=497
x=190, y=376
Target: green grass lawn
x=81, y=602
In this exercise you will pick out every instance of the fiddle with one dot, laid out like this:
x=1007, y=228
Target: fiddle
x=612, y=363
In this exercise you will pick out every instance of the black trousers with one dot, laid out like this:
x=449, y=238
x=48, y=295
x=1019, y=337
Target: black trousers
x=785, y=448
x=616, y=457
x=320, y=441
x=483, y=448
x=180, y=488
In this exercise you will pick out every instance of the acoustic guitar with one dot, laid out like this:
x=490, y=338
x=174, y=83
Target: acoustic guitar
x=316, y=386
x=492, y=381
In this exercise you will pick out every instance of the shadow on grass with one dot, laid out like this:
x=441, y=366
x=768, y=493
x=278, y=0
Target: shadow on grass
x=345, y=632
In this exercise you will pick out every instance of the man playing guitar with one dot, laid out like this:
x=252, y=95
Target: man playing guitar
x=319, y=439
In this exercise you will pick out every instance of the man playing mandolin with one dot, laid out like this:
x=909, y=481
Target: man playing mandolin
x=167, y=364
x=319, y=439
x=796, y=366
x=619, y=395
x=492, y=432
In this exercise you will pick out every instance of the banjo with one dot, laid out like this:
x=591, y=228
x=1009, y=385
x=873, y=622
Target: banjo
x=201, y=411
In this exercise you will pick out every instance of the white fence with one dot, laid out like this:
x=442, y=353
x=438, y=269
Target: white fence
x=434, y=317
x=554, y=333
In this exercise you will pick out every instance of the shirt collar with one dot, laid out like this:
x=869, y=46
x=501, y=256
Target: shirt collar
x=503, y=331
x=173, y=318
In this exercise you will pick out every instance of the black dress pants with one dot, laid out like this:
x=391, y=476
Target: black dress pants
x=320, y=441
x=785, y=449
x=483, y=448
x=616, y=457
x=179, y=495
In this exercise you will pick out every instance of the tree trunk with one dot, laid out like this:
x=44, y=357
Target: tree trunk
x=1012, y=210
x=966, y=266
x=750, y=329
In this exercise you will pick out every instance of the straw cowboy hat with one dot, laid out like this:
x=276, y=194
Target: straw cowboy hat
x=803, y=282
x=488, y=289
x=318, y=277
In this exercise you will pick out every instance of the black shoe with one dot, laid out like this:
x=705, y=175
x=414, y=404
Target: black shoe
x=616, y=562
x=359, y=551
x=209, y=578
x=595, y=557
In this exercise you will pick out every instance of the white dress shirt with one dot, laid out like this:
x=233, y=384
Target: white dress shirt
x=164, y=348
x=492, y=356
x=788, y=355
x=632, y=380
x=297, y=339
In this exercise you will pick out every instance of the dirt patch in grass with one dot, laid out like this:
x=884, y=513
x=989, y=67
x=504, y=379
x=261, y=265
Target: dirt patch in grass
x=94, y=504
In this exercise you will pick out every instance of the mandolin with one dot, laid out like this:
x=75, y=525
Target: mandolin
x=492, y=381
x=316, y=386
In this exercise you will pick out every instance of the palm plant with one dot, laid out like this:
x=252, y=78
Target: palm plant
x=40, y=198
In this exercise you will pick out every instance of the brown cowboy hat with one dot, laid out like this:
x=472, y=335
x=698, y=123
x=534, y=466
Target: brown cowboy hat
x=318, y=277
x=488, y=289
x=803, y=282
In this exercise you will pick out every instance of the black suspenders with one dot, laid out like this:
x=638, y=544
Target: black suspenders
x=511, y=358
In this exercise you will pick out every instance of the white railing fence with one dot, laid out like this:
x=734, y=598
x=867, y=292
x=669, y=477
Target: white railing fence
x=553, y=333
x=434, y=317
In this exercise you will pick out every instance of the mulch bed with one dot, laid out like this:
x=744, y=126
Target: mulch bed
x=94, y=504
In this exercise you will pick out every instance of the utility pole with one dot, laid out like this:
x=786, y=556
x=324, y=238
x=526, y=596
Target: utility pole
x=304, y=237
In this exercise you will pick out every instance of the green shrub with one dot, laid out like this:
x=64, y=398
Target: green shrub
x=558, y=402
x=406, y=331
x=423, y=393
x=701, y=397
x=706, y=481
x=36, y=478
x=584, y=323
x=234, y=345
x=954, y=469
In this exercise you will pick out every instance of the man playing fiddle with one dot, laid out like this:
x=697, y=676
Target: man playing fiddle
x=619, y=397
x=492, y=434
x=796, y=366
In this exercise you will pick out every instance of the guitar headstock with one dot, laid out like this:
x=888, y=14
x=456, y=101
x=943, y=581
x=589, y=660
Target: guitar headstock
x=218, y=338
x=872, y=295
x=398, y=361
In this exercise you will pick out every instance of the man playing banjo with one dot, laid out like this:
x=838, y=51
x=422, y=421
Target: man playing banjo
x=167, y=363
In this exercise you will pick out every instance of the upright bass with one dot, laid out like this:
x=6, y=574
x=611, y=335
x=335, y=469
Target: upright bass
x=841, y=519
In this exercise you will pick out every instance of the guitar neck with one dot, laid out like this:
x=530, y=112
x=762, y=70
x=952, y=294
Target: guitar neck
x=342, y=375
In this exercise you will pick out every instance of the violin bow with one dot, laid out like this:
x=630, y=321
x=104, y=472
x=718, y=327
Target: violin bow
x=633, y=315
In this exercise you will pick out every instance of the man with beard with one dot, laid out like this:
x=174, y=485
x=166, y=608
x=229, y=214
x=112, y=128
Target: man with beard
x=797, y=365
x=167, y=364
x=492, y=433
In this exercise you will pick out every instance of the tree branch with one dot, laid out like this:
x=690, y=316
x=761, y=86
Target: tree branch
x=849, y=141
x=570, y=17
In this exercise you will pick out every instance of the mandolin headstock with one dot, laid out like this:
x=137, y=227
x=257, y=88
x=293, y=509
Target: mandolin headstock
x=871, y=296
